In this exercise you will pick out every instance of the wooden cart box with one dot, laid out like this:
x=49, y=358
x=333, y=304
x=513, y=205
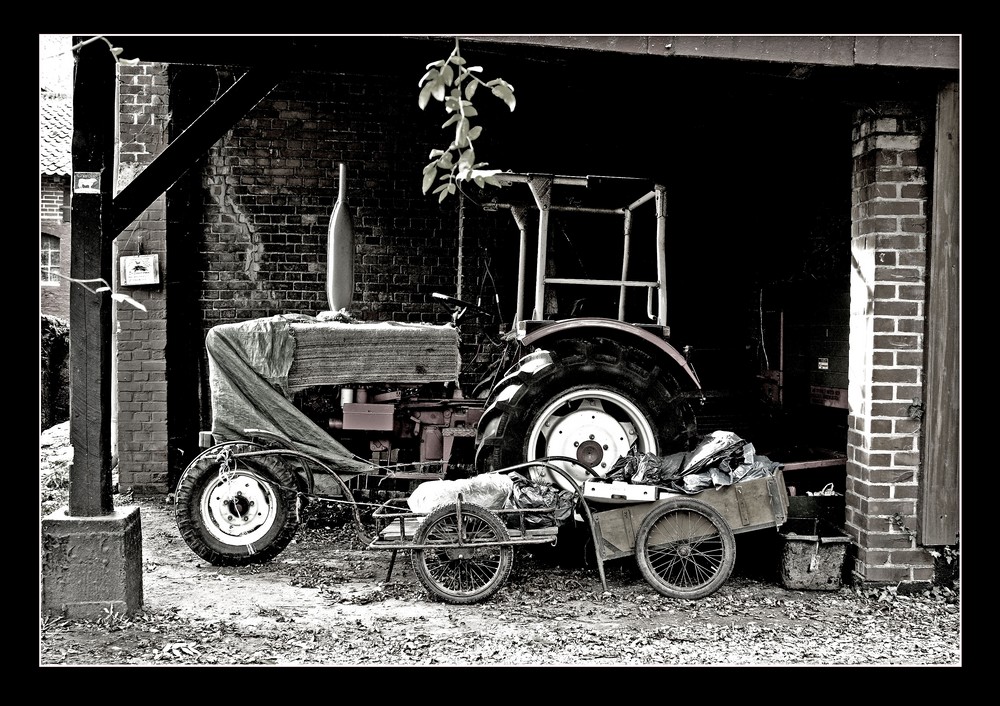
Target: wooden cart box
x=749, y=505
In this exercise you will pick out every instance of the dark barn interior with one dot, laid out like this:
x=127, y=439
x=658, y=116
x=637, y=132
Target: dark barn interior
x=756, y=160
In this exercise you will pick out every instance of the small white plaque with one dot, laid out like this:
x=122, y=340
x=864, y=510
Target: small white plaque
x=87, y=183
x=139, y=269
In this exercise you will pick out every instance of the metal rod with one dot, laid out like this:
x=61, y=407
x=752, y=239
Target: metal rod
x=625, y=259
x=571, y=209
x=601, y=282
x=661, y=252
x=528, y=178
x=541, y=189
x=461, y=238
x=522, y=261
x=635, y=204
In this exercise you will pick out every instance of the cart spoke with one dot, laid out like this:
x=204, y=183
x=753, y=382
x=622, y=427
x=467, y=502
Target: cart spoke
x=462, y=561
x=685, y=549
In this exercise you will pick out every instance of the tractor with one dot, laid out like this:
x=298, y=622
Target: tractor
x=360, y=404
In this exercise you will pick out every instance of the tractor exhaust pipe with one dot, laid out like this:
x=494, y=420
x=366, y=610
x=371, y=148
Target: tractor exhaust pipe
x=340, y=251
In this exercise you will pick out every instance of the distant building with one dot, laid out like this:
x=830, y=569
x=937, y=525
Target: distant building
x=55, y=161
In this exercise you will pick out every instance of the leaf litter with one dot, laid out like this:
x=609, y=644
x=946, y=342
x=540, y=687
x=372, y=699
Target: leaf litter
x=325, y=601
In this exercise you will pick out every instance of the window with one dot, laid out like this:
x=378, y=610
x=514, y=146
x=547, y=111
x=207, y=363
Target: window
x=50, y=260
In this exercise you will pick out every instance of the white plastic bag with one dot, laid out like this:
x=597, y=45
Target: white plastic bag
x=489, y=490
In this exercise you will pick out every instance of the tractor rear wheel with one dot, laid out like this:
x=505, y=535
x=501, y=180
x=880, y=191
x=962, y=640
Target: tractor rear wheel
x=592, y=400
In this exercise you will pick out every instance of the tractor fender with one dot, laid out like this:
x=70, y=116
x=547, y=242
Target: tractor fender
x=625, y=332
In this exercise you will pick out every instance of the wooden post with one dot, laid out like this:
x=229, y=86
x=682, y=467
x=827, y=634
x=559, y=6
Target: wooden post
x=942, y=464
x=94, y=113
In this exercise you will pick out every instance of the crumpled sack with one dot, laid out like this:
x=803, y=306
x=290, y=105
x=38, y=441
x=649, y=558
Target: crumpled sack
x=528, y=495
x=647, y=468
x=714, y=448
x=720, y=459
x=489, y=490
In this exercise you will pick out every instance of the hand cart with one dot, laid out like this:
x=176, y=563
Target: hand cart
x=684, y=545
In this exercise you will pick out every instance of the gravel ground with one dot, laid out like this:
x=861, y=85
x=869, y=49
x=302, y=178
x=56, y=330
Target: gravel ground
x=325, y=601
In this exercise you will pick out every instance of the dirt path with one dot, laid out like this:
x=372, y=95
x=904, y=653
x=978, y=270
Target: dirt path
x=324, y=600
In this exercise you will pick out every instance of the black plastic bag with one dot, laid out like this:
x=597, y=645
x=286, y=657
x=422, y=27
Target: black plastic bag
x=528, y=495
x=647, y=468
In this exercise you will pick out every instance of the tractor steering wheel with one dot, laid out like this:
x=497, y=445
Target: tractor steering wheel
x=458, y=308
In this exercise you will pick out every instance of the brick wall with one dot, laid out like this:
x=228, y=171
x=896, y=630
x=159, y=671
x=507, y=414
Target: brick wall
x=54, y=220
x=265, y=196
x=888, y=246
x=270, y=188
x=141, y=335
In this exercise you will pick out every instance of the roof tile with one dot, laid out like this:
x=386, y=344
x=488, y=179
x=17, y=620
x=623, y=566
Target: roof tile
x=55, y=136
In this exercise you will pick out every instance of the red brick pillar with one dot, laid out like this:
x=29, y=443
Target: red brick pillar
x=888, y=290
x=141, y=335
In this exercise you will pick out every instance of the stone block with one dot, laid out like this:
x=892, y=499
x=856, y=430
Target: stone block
x=92, y=565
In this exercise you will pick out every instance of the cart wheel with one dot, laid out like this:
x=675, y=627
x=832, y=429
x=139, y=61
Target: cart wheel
x=685, y=549
x=466, y=574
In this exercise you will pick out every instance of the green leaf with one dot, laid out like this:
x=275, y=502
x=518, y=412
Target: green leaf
x=443, y=187
x=467, y=159
x=446, y=161
x=428, y=179
x=448, y=74
x=428, y=76
x=425, y=95
x=439, y=63
x=471, y=112
x=477, y=69
x=504, y=93
x=462, y=133
x=471, y=89
x=454, y=118
x=436, y=153
x=438, y=91
x=475, y=132
x=443, y=196
x=457, y=60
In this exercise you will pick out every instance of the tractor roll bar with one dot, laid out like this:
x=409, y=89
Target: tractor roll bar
x=540, y=186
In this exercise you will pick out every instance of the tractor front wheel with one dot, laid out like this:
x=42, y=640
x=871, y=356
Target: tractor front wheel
x=236, y=512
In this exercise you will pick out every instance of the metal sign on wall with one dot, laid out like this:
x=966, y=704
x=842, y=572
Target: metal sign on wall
x=136, y=270
x=828, y=396
x=87, y=183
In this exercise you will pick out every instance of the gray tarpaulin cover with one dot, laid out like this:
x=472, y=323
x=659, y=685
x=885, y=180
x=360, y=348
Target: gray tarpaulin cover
x=255, y=365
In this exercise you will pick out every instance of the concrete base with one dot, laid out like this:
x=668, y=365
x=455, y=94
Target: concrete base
x=92, y=565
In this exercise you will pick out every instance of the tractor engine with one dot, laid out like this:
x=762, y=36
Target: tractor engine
x=424, y=429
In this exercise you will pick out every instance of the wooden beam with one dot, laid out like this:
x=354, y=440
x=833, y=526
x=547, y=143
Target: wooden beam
x=94, y=115
x=354, y=53
x=942, y=464
x=184, y=150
